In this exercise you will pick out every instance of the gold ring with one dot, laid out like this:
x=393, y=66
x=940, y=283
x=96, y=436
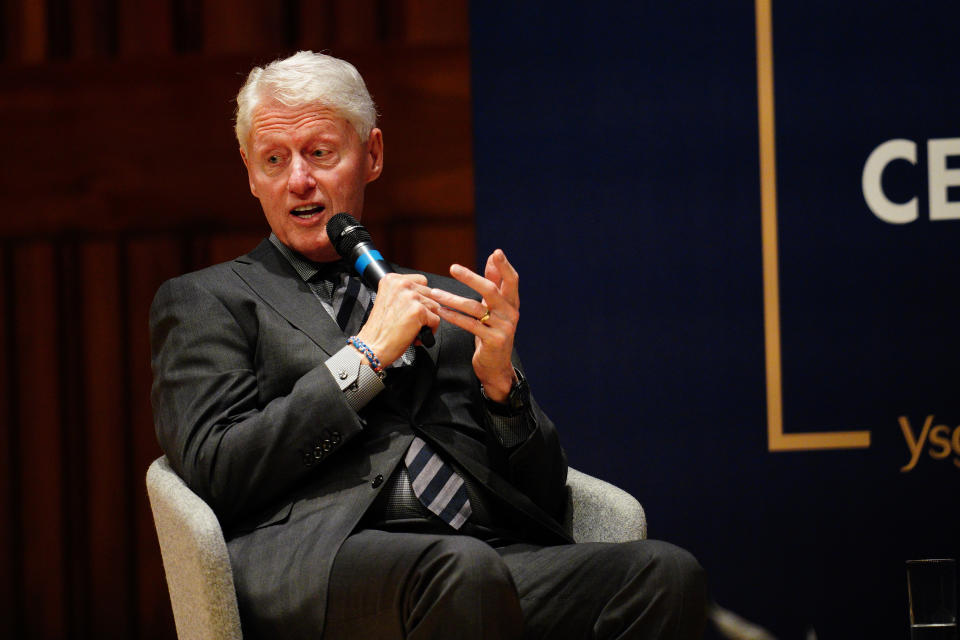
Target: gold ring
x=483, y=319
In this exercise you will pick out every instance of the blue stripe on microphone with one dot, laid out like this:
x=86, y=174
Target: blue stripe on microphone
x=365, y=259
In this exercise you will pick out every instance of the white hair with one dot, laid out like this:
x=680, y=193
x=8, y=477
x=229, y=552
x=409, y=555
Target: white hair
x=307, y=78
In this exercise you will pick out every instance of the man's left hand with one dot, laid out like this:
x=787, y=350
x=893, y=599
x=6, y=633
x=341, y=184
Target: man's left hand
x=499, y=288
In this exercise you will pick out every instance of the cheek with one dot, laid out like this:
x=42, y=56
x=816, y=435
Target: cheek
x=344, y=186
x=269, y=190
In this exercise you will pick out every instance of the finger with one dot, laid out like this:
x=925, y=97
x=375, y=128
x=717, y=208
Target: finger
x=486, y=288
x=466, y=322
x=425, y=291
x=398, y=281
x=431, y=320
x=468, y=306
x=500, y=310
x=432, y=305
x=491, y=272
x=509, y=279
x=420, y=294
x=417, y=278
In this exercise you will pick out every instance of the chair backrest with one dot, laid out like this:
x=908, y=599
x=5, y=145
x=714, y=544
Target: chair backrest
x=601, y=512
x=195, y=559
x=197, y=565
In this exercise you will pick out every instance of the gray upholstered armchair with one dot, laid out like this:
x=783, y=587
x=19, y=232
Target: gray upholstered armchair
x=198, y=569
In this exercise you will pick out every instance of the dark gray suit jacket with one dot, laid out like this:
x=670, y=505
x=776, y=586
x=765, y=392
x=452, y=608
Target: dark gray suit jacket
x=254, y=422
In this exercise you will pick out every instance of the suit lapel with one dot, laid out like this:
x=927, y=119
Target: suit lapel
x=272, y=278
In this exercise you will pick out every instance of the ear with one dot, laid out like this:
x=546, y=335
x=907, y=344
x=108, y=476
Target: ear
x=246, y=163
x=374, y=154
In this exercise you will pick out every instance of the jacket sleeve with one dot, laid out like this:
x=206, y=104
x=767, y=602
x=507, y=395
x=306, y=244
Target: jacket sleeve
x=538, y=464
x=239, y=451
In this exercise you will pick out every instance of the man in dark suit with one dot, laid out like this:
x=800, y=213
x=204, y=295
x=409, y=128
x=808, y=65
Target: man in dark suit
x=370, y=486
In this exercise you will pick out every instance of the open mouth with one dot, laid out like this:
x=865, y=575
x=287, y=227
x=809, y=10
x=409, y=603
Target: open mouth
x=307, y=211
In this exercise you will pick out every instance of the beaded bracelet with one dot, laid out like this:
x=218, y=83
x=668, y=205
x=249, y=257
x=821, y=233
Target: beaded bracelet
x=367, y=351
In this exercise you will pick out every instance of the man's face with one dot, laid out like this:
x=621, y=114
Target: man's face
x=305, y=165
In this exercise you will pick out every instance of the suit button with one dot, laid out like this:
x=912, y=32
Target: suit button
x=377, y=481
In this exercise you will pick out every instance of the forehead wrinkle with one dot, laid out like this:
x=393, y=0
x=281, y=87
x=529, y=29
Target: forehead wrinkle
x=274, y=123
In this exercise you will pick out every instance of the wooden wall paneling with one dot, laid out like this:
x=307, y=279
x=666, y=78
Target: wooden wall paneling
x=11, y=603
x=187, y=25
x=88, y=39
x=145, y=28
x=436, y=22
x=149, y=261
x=317, y=29
x=358, y=23
x=59, y=29
x=244, y=26
x=28, y=19
x=42, y=502
x=177, y=162
x=425, y=107
x=67, y=381
x=108, y=444
x=43, y=118
x=8, y=44
x=391, y=21
x=171, y=159
x=433, y=245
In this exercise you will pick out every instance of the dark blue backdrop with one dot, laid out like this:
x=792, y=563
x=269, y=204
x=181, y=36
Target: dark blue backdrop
x=617, y=164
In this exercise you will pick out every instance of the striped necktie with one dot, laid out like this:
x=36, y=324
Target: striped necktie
x=348, y=304
x=349, y=301
x=436, y=484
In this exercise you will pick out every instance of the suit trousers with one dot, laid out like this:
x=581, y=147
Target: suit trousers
x=387, y=585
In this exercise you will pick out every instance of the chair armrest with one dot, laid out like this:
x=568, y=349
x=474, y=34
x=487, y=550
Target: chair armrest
x=600, y=512
x=195, y=558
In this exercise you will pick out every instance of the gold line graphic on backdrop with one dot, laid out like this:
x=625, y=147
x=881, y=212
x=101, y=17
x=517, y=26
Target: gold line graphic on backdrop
x=777, y=440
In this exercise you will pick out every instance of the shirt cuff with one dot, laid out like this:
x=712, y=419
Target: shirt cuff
x=510, y=430
x=358, y=382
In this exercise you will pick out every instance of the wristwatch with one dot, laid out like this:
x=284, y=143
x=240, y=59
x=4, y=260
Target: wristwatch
x=517, y=400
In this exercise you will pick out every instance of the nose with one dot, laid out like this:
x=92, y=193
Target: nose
x=301, y=180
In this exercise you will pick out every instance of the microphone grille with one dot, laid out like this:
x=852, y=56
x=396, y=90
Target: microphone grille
x=346, y=232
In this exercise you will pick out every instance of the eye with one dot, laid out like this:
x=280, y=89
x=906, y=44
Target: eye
x=319, y=153
x=273, y=159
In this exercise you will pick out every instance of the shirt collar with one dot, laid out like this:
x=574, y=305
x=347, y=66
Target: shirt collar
x=305, y=268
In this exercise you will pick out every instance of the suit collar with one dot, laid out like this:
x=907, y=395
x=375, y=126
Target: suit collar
x=305, y=267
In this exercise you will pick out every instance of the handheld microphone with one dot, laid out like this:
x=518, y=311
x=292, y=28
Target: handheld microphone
x=354, y=244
